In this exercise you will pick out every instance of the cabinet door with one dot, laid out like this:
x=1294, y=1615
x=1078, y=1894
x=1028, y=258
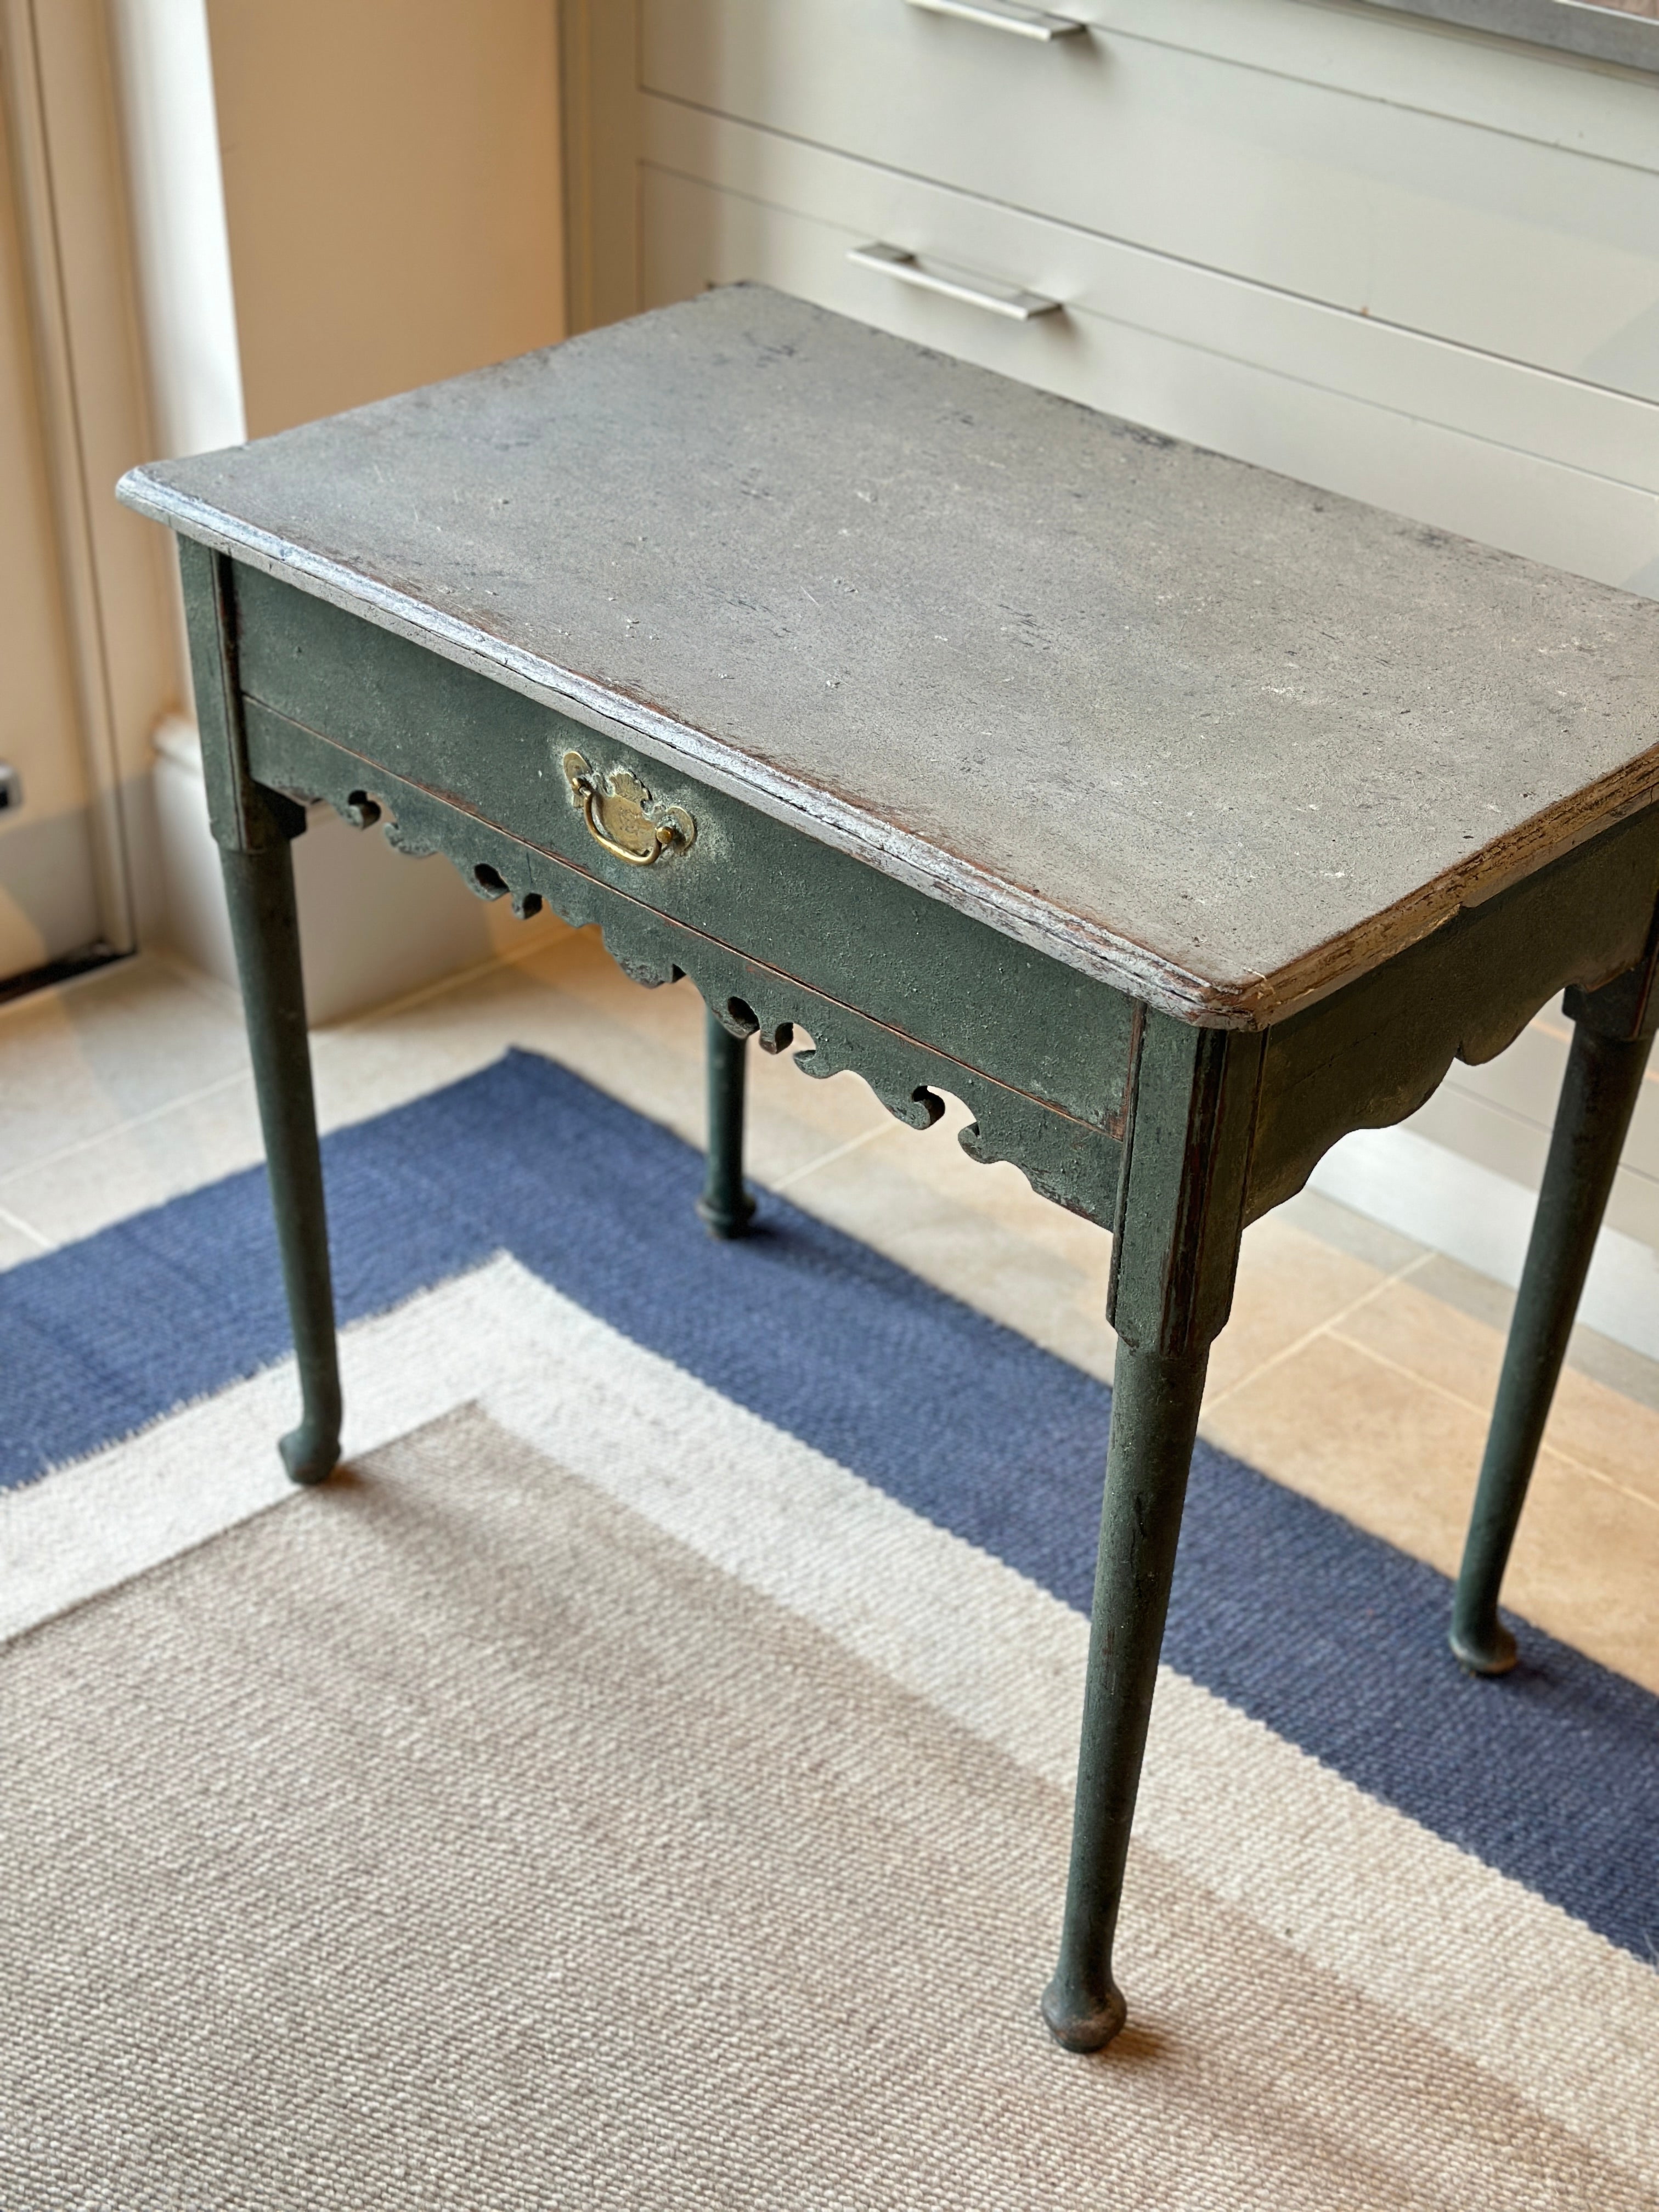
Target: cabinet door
x=48, y=886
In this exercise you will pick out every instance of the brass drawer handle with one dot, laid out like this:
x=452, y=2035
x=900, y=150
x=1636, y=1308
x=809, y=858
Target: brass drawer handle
x=634, y=827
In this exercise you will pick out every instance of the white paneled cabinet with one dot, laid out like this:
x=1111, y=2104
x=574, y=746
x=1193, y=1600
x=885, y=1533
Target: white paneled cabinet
x=1301, y=180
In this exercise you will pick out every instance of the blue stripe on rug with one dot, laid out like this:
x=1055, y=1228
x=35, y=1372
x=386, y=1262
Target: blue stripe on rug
x=1331, y=1637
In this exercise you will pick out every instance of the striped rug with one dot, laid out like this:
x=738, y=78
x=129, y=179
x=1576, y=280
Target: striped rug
x=642, y=1777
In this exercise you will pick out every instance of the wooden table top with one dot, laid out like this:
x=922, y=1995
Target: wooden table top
x=1214, y=736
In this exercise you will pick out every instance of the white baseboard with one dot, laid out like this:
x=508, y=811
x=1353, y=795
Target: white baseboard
x=1474, y=1215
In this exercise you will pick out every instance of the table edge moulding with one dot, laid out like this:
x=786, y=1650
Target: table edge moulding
x=1256, y=581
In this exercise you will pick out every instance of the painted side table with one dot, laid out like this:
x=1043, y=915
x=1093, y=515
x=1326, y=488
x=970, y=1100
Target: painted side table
x=1175, y=816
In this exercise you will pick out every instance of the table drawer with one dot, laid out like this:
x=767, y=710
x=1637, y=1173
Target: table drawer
x=1540, y=465
x=748, y=883
x=1530, y=247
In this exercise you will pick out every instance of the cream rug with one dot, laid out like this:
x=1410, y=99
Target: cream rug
x=598, y=1799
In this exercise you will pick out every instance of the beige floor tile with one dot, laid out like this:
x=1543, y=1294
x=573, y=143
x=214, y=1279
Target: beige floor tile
x=828, y=1145
x=1616, y=1367
x=141, y=1164
x=1602, y=1430
x=370, y=1066
x=124, y=1041
x=1361, y=1437
x=1403, y=1325
x=654, y=1040
x=360, y=1068
x=1589, y=1423
x=1586, y=1567
x=1339, y=1226
x=831, y=1147
x=1397, y=1454
x=645, y=1047
x=1289, y=1284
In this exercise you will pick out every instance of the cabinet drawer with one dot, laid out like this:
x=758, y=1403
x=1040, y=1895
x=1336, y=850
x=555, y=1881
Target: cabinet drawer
x=413, y=729
x=1541, y=251
x=1490, y=449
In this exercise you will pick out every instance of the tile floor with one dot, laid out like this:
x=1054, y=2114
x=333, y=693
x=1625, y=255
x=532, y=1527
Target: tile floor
x=1357, y=1368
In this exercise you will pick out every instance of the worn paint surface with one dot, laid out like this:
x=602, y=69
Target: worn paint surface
x=1211, y=736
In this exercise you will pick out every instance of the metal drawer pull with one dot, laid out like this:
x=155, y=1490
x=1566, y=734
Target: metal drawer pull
x=650, y=830
x=1007, y=15
x=997, y=299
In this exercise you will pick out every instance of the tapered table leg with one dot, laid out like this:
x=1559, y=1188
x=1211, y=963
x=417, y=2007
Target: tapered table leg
x=1598, y=1097
x=725, y=1206
x=1174, y=1254
x=1155, y=1402
x=259, y=886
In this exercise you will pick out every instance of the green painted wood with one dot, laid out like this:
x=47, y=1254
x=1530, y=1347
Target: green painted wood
x=1599, y=1091
x=1371, y=1055
x=906, y=960
x=1626, y=1008
x=260, y=890
x=1065, y=1158
x=725, y=1208
x=1174, y=1251
x=1612, y=1037
x=1155, y=1406
x=254, y=827
x=243, y=816
x=1174, y=1258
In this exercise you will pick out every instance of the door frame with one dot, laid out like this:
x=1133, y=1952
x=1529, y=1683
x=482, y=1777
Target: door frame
x=66, y=245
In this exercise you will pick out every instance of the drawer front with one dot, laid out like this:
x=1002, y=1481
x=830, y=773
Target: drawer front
x=1557, y=470
x=744, y=881
x=1297, y=174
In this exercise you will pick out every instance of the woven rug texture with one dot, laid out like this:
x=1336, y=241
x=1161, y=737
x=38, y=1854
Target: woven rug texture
x=642, y=1776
